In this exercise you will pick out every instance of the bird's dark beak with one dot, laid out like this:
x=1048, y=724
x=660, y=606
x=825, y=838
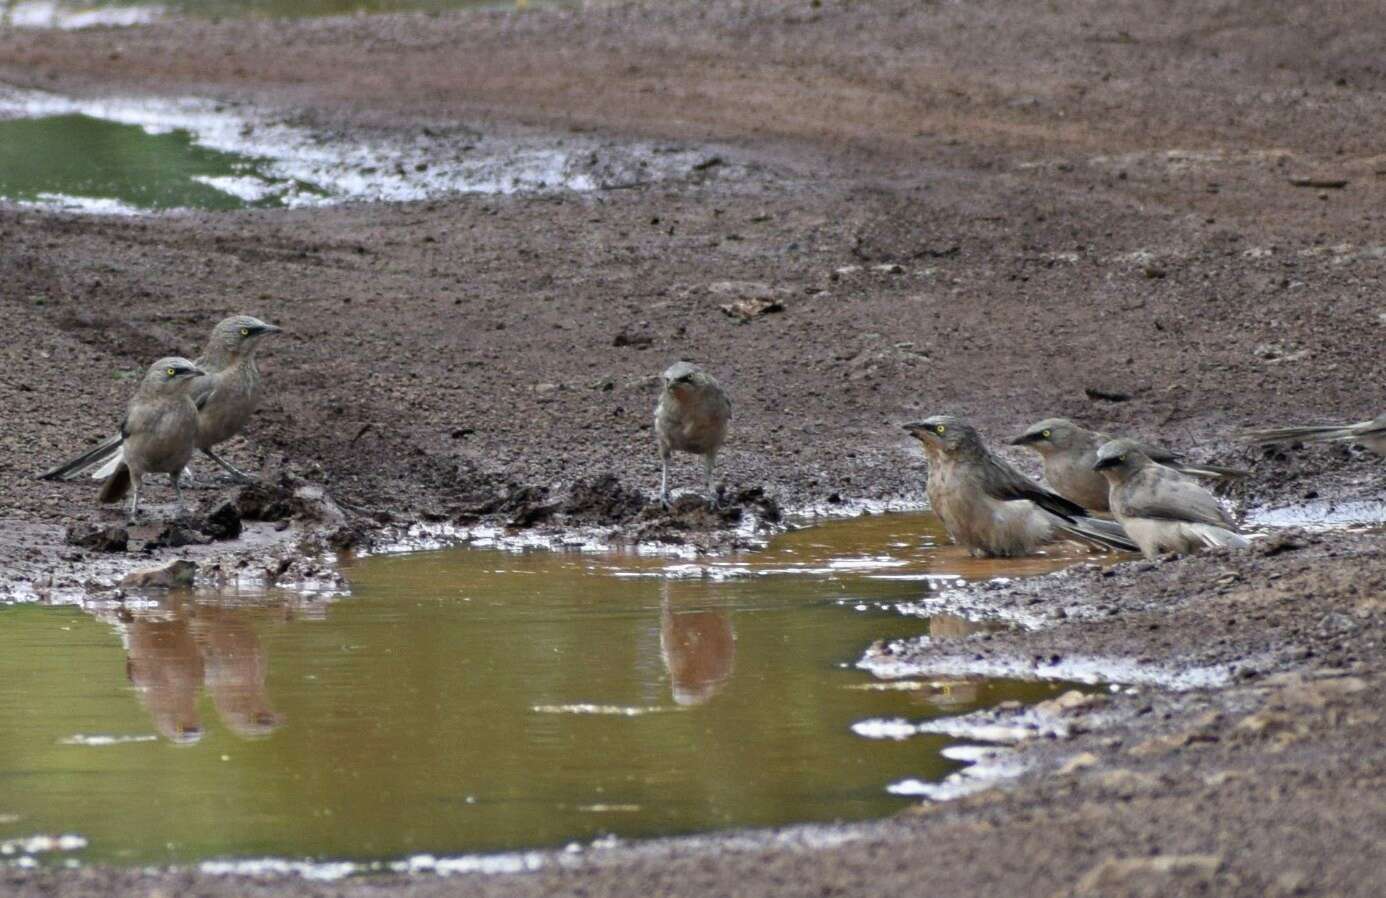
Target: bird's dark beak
x=1106, y=463
x=1024, y=439
x=916, y=430
x=267, y=329
x=193, y=372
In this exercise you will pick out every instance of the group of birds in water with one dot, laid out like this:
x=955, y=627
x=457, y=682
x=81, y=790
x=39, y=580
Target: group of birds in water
x=988, y=507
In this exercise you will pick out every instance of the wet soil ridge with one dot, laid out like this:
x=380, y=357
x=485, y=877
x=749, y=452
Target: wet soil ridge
x=1117, y=223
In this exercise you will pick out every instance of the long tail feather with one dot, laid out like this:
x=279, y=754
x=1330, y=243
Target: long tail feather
x=1217, y=472
x=1107, y=534
x=97, y=454
x=117, y=485
x=109, y=467
x=1314, y=433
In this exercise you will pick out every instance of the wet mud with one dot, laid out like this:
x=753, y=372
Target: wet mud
x=1113, y=226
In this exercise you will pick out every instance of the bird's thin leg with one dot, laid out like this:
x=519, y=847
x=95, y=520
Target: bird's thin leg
x=664, y=479
x=231, y=469
x=134, y=499
x=177, y=493
x=709, y=461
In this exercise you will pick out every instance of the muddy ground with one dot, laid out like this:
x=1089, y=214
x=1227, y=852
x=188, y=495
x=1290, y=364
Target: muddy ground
x=999, y=210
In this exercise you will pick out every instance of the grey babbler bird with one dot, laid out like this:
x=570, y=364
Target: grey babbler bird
x=159, y=431
x=989, y=507
x=1070, y=451
x=1161, y=509
x=692, y=416
x=225, y=397
x=1371, y=434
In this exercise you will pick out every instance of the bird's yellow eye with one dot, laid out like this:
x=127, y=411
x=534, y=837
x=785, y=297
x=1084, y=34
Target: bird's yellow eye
x=245, y=332
x=939, y=428
x=1045, y=434
x=170, y=371
x=1123, y=457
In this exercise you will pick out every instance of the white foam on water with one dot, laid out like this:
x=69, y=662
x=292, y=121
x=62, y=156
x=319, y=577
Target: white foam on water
x=42, y=844
x=613, y=710
x=98, y=740
x=895, y=728
x=1079, y=669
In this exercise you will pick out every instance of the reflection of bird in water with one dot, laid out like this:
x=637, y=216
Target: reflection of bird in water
x=236, y=668
x=173, y=651
x=163, y=663
x=949, y=693
x=699, y=648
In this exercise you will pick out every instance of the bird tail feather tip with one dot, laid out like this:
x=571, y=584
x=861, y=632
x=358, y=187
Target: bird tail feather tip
x=70, y=469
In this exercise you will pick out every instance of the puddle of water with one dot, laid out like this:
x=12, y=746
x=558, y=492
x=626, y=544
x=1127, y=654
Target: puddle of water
x=476, y=701
x=75, y=14
x=1323, y=515
x=125, y=156
x=81, y=162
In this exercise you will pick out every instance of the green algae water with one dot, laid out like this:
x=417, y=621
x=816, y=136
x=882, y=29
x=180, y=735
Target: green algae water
x=475, y=701
x=80, y=162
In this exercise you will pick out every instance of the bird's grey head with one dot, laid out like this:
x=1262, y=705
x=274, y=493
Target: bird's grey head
x=1118, y=458
x=170, y=375
x=238, y=334
x=682, y=373
x=1053, y=435
x=946, y=435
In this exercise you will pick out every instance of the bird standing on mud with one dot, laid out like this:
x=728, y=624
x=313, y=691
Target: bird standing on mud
x=1371, y=434
x=989, y=507
x=1161, y=509
x=691, y=416
x=225, y=397
x=158, y=433
x=1070, y=452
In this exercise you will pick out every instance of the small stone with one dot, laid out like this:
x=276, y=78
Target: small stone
x=98, y=537
x=1124, y=783
x=176, y=574
x=1165, y=874
x=223, y=522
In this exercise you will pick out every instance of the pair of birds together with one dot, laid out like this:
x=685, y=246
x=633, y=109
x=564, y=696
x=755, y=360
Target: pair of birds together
x=180, y=407
x=991, y=509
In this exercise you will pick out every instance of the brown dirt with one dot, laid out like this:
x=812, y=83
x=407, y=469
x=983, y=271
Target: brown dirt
x=1026, y=203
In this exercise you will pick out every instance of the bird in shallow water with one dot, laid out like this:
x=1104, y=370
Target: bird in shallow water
x=1069, y=452
x=1161, y=509
x=158, y=433
x=1371, y=434
x=989, y=507
x=226, y=396
x=691, y=416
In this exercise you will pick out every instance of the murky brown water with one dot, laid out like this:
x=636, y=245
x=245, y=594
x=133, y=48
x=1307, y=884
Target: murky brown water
x=471, y=701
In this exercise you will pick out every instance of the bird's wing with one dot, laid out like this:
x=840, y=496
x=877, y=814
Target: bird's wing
x=202, y=390
x=1157, y=453
x=1007, y=484
x=1163, y=494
